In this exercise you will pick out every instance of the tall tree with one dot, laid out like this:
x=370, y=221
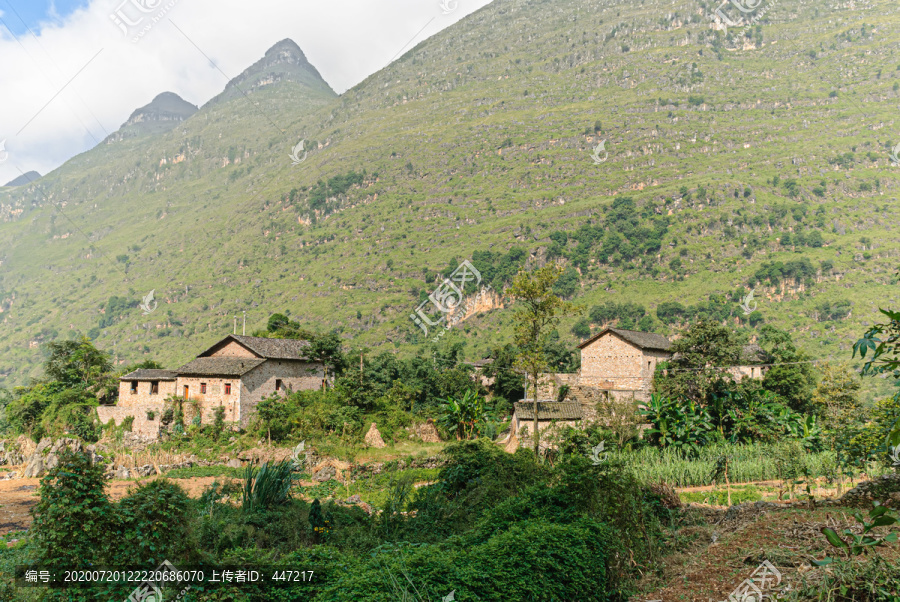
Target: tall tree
x=695, y=372
x=77, y=364
x=791, y=377
x=326, y=348
x=507, y=380
x=538, y=313
x=835, y=396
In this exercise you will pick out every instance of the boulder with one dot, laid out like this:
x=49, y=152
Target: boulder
x=122, y=473
x=51, y=461
x=35, y=467
x=11, y=458
x=26, y=446
x=373, y=437
x=354, y=499
x=234, y=463
x=326, y=473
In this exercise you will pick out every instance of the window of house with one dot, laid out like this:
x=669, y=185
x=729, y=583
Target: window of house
x=278, y=384
x=227, y=388
x=154, y=387
x=203, y=388
x=133, y=387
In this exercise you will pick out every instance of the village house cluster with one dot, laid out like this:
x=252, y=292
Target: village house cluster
x=240, y=371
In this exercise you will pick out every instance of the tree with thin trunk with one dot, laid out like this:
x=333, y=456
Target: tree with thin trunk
x=538, y=313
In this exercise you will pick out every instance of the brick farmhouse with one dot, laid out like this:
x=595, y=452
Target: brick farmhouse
x=616, y=364
x=235, y=374
x=621, y=363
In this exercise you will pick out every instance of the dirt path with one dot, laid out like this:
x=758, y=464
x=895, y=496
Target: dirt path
x=715, y=557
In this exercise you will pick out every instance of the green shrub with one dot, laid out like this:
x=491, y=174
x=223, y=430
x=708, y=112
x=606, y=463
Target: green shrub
x=74, y=522
x=154, y=521
x=512, y=565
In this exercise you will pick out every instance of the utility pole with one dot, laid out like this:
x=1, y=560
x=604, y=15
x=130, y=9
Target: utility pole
x=235, y=326
x=244, y=330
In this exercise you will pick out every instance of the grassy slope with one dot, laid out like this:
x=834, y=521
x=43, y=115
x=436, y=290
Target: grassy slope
x=444, y=110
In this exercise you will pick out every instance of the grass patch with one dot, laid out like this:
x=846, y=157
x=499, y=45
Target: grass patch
x=205, y=471
x=719, y=497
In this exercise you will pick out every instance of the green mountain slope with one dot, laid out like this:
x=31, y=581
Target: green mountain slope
x=477, y=141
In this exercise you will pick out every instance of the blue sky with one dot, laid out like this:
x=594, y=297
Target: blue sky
x=35, y=12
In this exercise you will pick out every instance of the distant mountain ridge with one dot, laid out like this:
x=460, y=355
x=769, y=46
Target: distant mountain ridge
x=285, y=61
x=25, y=178
x=162, y=114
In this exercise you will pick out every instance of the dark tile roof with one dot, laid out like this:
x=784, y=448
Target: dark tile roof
x=276, y=349
x=219, y=366
x=148, y=374
x=549, y=410
x=644, y=340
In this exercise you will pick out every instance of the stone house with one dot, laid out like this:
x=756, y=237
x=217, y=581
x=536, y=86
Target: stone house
x=621, y=363
x=235, y=374
x=622, y=360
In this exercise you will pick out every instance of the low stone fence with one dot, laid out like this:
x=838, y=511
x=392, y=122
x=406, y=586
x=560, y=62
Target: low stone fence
x=141, y=412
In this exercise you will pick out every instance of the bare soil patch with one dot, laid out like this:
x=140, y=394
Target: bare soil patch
x=19, y=496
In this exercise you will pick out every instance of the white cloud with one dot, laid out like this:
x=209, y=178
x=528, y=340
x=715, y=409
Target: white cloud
x=346, y=40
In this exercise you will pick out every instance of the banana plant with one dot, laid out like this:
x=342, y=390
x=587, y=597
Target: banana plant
x=463, y=416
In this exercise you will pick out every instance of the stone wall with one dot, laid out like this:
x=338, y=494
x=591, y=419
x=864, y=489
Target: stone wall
x=611, y=362
x=549, y=384
x=260, y=382
x=141, y=425
x=214, y=397
x=233, y=349
x=143, y=395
